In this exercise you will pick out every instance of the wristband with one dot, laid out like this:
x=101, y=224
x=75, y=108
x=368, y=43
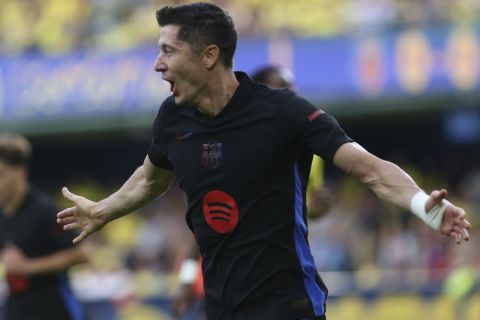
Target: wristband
x=188, y=271
x=434, y=217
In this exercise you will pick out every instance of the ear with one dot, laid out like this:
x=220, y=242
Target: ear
x=211, y=56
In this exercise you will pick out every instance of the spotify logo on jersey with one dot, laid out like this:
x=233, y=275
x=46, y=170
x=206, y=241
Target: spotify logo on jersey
x=220, y=211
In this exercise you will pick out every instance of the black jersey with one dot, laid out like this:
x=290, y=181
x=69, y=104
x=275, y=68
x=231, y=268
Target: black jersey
x=245, y=173
x=33, y=229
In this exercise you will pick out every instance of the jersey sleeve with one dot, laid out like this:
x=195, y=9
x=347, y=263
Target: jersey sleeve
x=157, y=152
x=315, y=130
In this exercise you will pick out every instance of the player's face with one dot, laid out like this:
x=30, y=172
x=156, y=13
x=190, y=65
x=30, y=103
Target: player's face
x=9, y=178
x=180, y=66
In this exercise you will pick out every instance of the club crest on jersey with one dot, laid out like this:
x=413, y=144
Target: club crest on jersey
x=212, y=155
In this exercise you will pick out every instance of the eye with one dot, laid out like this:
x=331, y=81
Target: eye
x=167, y=50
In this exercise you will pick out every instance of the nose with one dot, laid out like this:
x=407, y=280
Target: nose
x=159, y=64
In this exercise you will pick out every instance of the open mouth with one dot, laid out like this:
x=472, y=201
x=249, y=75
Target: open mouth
x=172, y=85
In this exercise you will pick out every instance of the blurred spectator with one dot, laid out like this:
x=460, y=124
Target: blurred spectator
x=56, y=26
x=35, y=251
x=49, y=26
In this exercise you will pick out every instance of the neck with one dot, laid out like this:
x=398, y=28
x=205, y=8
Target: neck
x=219, y=92
x=16, y=200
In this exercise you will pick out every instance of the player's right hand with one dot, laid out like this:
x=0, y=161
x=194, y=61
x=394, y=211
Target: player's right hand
x=79, y=217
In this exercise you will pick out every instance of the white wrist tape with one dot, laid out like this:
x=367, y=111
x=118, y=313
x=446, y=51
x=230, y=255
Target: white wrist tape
x=188, y=271
x=434, y=217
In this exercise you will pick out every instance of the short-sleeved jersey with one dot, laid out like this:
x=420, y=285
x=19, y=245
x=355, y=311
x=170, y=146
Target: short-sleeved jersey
x=245, y=173
x=33, y=229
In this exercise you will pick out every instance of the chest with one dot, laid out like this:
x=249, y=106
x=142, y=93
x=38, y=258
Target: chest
x=243, y=152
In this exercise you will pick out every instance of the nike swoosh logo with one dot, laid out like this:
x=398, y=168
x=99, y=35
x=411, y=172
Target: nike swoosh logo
x=315, y=115
x=184, y=136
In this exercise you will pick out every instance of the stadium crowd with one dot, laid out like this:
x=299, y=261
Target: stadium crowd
x=56, y=26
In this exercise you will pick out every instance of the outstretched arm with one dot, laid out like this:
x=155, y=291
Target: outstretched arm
x=145, y=184
x=394, y=185
x=15, y=262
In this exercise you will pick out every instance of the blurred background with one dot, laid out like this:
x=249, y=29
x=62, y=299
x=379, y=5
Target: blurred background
x=401, y=76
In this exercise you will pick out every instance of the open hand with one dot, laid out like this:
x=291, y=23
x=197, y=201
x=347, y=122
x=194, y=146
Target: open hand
x=80, y=216
x=454, y=223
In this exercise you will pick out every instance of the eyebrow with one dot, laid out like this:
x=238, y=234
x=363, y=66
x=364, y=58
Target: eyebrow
x=163, y=45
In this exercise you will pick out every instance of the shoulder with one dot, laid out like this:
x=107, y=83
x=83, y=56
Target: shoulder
x=278, y=98
x=291, y=105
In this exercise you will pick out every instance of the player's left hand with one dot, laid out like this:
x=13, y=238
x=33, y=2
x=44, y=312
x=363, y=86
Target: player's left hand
x=454, y=223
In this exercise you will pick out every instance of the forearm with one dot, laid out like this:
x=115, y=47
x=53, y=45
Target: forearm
x=394, y=185
x=386, y=179
x=136, y=192
x=391, y=183
x=59, y=261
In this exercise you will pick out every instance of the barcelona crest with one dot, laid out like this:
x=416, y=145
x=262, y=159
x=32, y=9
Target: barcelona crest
x=212, y=155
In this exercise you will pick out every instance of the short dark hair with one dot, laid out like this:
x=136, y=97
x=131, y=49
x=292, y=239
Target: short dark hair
x=263, y=74
x=15, y=150
x=202, y=24
x=269, y=73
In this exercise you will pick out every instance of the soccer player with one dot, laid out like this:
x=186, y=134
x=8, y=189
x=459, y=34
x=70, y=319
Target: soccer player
x=35, y=251
x=190, y=293
x=241, y=151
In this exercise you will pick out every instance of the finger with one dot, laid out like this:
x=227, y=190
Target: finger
x=67, y=212
x=461, y=223
x=80, y=237
x=68, y=195
x=461, y=234
x=464, y=233
x=456, y=236
x=67, y=220
x=72, y=226
x=435, y=199
x=438, y=195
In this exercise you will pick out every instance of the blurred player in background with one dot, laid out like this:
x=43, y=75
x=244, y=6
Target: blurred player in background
x=318, y=196
x=35, y=251
x=242, y=153
x=190, y=293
